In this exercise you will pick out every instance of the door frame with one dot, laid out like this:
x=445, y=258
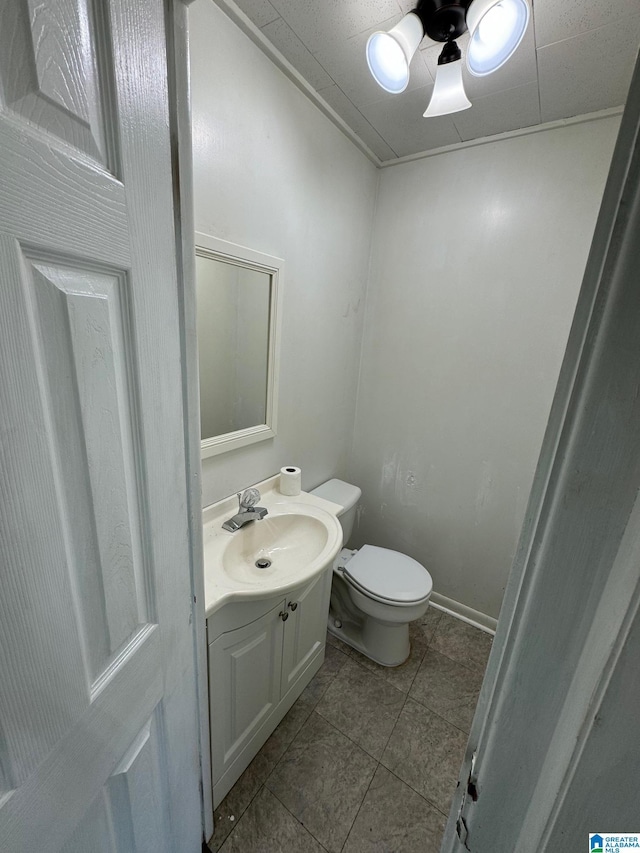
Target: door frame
x=597, y=363
x=182, y=173
x=617, y=220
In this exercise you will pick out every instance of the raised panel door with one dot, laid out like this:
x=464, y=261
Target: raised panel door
x=98, y=718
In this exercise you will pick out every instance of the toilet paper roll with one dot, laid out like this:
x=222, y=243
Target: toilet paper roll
x=290, y=480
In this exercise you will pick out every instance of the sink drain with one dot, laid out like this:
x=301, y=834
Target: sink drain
x=263, y=563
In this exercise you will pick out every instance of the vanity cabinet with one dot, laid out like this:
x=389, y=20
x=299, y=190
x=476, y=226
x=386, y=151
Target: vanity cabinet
x=258, y=669
x=244, y=684
x=305, y=631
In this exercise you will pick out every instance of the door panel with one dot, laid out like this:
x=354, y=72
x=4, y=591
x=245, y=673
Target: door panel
x=244, y=680
x=81, y=334
x=135, y=793
x=55, y=70
x=45, y=685
x=95, y=832
x=132, y=795
x=54, y=799
x=98, y=718
x=306, y=628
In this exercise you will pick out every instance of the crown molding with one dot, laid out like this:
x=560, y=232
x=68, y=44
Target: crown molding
x=509, y=134
x=259, y=39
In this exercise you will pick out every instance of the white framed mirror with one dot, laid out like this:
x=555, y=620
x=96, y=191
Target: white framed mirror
x=239, y=307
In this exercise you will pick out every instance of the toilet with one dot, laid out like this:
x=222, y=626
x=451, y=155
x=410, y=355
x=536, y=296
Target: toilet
x=375, y=592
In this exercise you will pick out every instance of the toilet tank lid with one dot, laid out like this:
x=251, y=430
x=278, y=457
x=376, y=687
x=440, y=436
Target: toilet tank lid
x=339, y=492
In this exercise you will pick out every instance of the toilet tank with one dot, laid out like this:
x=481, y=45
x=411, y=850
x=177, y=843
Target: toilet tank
x=347, y=496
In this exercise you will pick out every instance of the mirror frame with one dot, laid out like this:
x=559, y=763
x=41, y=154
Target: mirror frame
x=217, y=249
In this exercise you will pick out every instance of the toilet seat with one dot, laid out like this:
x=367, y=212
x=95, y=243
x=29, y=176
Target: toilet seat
x=388, y=576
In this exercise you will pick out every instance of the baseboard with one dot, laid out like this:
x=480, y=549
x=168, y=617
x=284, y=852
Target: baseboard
x=461, y=611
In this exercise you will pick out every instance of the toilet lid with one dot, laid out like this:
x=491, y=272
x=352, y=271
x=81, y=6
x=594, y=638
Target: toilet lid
x=388, y=575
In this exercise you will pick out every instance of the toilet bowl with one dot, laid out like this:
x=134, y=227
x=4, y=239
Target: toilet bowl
x=375, y=592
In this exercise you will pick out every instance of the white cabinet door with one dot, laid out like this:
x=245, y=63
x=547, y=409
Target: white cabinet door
x=306, y=629
x=98, y=721
x=244, y=685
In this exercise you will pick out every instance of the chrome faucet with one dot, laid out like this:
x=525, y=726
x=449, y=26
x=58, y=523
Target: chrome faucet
x=247, y=511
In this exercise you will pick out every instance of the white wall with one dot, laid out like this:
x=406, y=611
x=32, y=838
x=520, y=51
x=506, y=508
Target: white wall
x=272, y=173
x=478, y=256
x=476, y=263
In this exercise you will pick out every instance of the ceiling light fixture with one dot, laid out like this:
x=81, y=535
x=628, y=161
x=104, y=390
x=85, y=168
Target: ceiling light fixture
x=389, y=54
x=448, y=93
x=496, y=28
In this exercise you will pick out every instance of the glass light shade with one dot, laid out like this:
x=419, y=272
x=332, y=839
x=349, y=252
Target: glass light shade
x=448, y=93
x=496, y=28
x=389, y=54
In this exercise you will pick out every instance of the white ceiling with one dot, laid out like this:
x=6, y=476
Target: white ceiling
x=576, y=58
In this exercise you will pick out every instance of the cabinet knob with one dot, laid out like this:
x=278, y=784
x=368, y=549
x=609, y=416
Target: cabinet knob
x=292, y=605
x=284, y=615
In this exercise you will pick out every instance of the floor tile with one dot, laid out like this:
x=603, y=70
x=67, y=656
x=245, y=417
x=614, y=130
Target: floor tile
x=426, y=752
x=313, y=777
x=322, y=779
x=362, y=706
x=224, y=824
x=448, y=688
x=401, y=677
x=395, y=819
x=288, y=728
x=231, y=809
x=334, y=660
x=337, y=643
x=462, y=642
x=267, y=827
x=420, y=633
x=424, y=628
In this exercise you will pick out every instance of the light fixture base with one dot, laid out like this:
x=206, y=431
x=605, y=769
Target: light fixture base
x=443, y=20
x=450, y=53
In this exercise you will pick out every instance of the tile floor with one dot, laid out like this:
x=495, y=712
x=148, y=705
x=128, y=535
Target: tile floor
x=367, y=759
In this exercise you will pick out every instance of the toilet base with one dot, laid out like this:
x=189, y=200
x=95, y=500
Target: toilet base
x=385, y=644
x=385, y=641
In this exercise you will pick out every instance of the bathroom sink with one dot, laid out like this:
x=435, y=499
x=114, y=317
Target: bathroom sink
x=274, y=548
x=298, y=538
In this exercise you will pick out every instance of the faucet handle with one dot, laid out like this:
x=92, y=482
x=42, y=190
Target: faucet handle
x=250, y=497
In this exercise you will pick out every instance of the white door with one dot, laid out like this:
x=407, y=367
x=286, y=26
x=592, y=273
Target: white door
x=98, y=727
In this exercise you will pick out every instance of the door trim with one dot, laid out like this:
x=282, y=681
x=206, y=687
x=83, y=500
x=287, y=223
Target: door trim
x=180, y=118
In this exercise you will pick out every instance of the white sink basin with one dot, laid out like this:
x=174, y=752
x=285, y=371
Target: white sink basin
x=297, y=539
x=288, y=542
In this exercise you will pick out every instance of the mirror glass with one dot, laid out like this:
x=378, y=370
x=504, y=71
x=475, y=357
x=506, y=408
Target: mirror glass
x=233, y=339
x=237, y=293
